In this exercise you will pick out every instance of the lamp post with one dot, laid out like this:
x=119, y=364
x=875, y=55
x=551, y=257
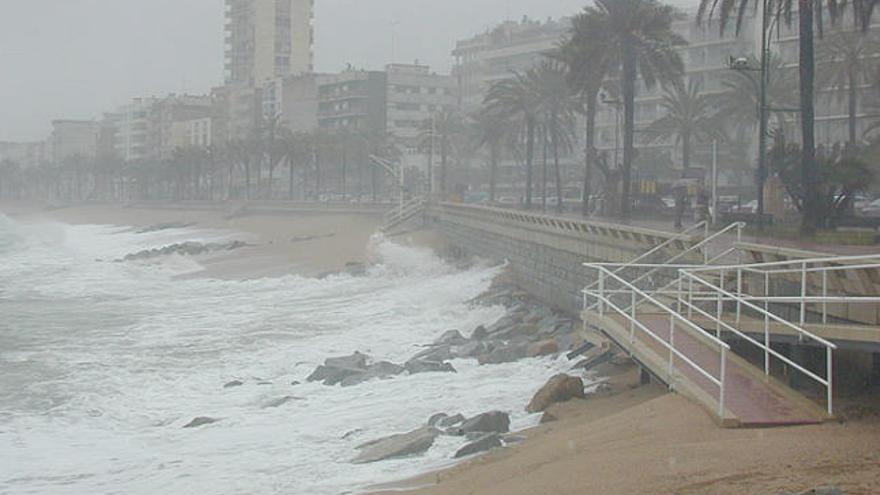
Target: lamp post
x=617, y=104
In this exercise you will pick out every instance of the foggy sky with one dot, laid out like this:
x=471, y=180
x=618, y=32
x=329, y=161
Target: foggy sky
x=78, y=58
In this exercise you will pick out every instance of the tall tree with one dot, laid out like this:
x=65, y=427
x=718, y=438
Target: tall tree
x=740, y=97
x=516, y=99
x=440, y=133
x=640, y=34
x=847, y=61
x=589, y=59
x=556, y=111
x=491, y=129
x=689, y=115
x=806, y=13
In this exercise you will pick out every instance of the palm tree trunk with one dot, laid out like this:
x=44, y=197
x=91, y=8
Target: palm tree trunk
x=443, y=157
x=685, y=152
x=530, y=156
x=555, y=138
x=544, y=170
x=808, y=151
x=629, y=94
x=852, y=97
x=589, y=151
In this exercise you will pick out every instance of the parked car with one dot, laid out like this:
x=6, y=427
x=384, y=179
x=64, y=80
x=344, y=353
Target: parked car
x=872, y=209
x=750, y=207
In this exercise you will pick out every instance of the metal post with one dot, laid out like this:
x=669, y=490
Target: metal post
x=719, y=309
x=715, y=182
x=739, y=290
x=678, y=299
x=632, y=316
x=803, y=293
x=671, y=347
x=723, y=380
x=824, y=297
x=830, y=380
x=601, y=301
x=766, y=324
x=690, y=298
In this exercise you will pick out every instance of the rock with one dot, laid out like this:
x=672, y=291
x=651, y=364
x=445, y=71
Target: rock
x=382, y=369
x=543, y=348
x=294, y=383
x=480, y=333
x=548, y=417
x=351, y=433
x=233, y=383
x=433, y=420
x=355, y=269
x=280, y=401
x=185, y=248
x=356, y=360
x=451, y=421
x=503, y=354
x=490, y=422
x=435, y=353
x=450, y=337
x=560, y=388
x=470, y=349
x=200, y=421
x=586, y=346
x=419, y=366
x=484, y=443
x=395, y=446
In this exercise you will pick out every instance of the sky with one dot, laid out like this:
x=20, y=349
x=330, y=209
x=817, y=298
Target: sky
x=79, y=58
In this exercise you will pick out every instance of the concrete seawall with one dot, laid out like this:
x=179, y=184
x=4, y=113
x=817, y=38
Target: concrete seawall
x=546, y=253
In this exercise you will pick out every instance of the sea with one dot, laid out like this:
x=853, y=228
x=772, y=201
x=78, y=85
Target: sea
x=102, y=363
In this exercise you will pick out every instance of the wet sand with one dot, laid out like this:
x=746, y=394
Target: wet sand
x=646, y=441
x=306, y=244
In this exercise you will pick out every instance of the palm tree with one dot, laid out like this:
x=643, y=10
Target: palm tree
x=491, y=130
x=862, y=13
x=740, y=99
x=442, y=131
x=588, y=58
x=689, y=115
x=515, y=99
x=640, y=34
x=846, y=58
x=556, y=110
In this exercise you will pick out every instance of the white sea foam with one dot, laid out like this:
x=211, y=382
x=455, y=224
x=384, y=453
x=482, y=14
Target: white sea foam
x=102, y=363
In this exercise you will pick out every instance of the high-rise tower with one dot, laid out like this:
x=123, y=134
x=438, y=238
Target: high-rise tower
x=266, y=39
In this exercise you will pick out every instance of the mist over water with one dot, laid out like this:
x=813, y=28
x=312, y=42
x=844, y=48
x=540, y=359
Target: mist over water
x=102, y=363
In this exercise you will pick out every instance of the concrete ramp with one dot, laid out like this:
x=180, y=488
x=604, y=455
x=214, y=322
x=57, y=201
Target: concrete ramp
x=751, y=399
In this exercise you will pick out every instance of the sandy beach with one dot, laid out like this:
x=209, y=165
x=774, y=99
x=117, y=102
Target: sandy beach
x=306, y=244
x=642, y=440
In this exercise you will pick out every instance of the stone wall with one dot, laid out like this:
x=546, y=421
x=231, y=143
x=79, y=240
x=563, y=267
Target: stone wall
x=547, y=253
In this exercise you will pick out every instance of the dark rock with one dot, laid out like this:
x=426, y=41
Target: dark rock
x=185, y=248
x=200, y=421
x=395, y=446
x=580, y=350
x=280, y=401
x=233, y=383
x=470, y=349
x=548, y=417
x=512, y=439
x=480, y=333
x=355, y=361
x=451, y=421
x=419, y=366
x=435, y=419
x=356, y=269
x=828, y=490
x=450, y=337
x=294, y=383
x=543, y=348
x=435, y=353
x=331, y=375
x=382, y=369
x=560, y=388
x=351, y=433
x=483, y=444
x=503, y=354
x=490, y=422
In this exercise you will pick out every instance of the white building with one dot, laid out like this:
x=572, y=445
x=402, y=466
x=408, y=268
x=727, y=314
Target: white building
x=267, y=39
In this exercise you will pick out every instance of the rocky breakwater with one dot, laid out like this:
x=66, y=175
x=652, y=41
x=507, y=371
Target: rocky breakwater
x=526, y=330
x=184, y=249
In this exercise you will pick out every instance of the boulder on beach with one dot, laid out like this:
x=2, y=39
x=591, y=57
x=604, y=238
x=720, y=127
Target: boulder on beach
x=559, y=388
x=486, y=442
x=489, y=422
x=450, y=337
x=382, y=369
x=504, y=354
x=200, y=421
x=233, y=383
x=420, y=366
x=479, y=333
x=395, y=446
x=336, y=369
x=280, y=401
x=443, y=420
x=542, y=348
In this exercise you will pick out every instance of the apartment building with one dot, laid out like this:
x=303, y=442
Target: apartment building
x=24, y=154
x=73, y=138
x=267, y=39
x=495, y=54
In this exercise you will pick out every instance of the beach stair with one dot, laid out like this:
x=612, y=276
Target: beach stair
x=403, y=213
x=751, y=397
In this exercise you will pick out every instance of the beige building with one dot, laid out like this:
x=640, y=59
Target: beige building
x=415, y=94
x=267, y=39
x=73, y=138
x=24, y=154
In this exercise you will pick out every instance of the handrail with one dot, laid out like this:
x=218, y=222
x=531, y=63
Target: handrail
x=799, y=261
x=674, y=316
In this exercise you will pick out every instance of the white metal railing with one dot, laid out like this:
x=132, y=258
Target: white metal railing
x=403, y=212
x=604, y=299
